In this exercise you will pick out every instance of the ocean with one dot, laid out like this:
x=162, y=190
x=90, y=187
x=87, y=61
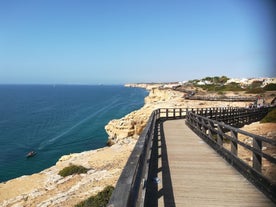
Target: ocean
x=55, y=120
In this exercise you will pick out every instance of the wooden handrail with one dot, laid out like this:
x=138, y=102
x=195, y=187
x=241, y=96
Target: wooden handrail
x=130, y=190
x=213, y=132
x=221, y=98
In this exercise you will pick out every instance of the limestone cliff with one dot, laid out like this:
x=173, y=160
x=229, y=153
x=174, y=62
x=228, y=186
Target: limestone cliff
x=133, y=124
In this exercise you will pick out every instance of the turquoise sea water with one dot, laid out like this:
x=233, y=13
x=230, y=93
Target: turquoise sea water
x=56, y=120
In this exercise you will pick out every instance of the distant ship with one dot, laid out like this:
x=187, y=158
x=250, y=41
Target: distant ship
x=31, y=154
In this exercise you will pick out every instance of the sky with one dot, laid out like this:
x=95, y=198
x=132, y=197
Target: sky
x=117, y=42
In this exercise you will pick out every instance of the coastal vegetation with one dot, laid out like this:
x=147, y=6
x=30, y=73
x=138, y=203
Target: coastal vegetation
x=99, y=200
x=255, y=87
x=270, y=87
x=109, y=143
x=72, y=169
x=223, y=84
x=270, y=117
x=222, y=88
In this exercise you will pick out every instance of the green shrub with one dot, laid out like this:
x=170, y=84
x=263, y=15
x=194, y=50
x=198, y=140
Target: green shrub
x=255, y=87
x=221, y=87
x=110, y=142
x=210, y=87
x=72, y=169
x=256, y=84
x=270, y=117
x=233, y=87
x=99, y=200
x=270, y=87
x=255, y=90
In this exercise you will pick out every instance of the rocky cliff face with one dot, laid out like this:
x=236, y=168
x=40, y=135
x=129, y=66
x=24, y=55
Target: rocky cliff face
x=133, y=124
x=129, y=126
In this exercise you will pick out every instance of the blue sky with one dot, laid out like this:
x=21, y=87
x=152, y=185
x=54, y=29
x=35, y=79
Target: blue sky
x=115, y=42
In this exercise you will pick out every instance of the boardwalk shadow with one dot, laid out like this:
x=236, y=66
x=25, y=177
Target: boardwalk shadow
x=159, y=185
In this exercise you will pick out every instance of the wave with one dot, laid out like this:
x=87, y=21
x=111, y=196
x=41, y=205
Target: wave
x=67, y=131
x=57, y=121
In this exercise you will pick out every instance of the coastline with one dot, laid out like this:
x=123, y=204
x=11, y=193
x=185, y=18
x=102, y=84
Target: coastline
x=49, y=189
x=105, y=164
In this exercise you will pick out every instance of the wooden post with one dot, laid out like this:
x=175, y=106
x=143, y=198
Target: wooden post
x=199, y=126
x=257, y=159
x=203, y=128
x=223, y=114
x=234, y=145
x=211, y=130
x=219, y=137
x=159, y=113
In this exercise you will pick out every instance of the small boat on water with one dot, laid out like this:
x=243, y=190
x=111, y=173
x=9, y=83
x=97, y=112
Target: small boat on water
x=31, y=154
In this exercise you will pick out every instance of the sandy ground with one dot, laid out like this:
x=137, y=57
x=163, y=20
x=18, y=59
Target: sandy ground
x=267, y=130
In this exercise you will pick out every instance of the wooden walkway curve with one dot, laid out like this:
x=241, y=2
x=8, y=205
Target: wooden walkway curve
x=185, y=171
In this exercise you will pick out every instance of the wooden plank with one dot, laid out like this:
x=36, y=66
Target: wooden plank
x=200, y=177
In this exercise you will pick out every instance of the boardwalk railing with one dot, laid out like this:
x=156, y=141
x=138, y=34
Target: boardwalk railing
x=221, y=98
x=236, y=117
x=131, y=186
x=213, y=132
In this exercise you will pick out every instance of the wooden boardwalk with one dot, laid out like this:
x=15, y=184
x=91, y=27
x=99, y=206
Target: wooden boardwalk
x=190, y=173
